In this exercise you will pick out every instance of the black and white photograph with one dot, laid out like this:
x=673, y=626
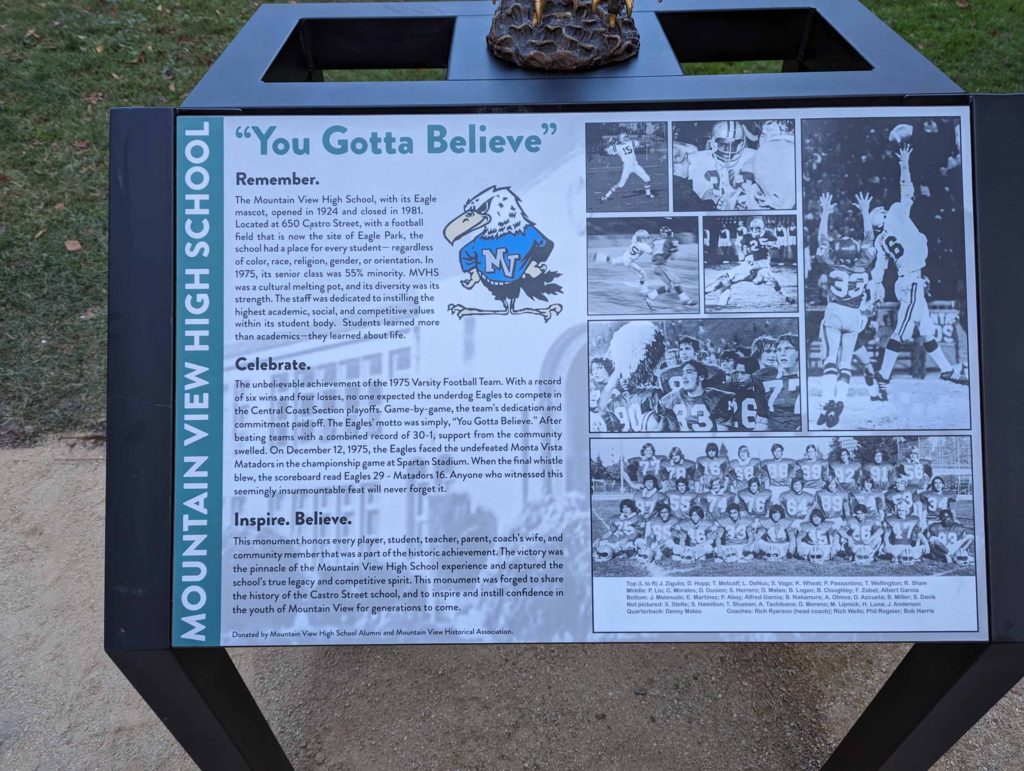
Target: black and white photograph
x=768, y=506
x=886, y=274
x=695, y=376
x=638, y=265
x=734, y=165
x=750, y=264
x=627, y=167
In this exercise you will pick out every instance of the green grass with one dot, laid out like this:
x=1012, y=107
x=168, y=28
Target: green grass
x=978, y=46
x=747, y=67
x=65, y=64
x=353, y=76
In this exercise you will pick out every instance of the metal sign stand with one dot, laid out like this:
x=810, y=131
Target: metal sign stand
x=844, y=55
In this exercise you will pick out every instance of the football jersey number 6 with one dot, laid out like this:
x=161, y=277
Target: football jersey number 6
x=748, y=414
x=893, y=247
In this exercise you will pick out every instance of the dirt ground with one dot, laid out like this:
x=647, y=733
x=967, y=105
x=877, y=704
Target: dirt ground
x=64, y=705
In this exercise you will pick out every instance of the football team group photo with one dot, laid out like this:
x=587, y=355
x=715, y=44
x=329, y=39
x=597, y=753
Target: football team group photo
x=844, y=506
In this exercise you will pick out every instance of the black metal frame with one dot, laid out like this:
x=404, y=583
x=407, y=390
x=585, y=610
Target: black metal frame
x=938, y=691
x=197, y=693
x=839, y=49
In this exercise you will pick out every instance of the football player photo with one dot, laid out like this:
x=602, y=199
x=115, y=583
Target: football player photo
x=758, y=506
x=734, y=165
x=638, y=265
x=750, y=264
x=687, y=376
x=627, y=167
x=886, y=277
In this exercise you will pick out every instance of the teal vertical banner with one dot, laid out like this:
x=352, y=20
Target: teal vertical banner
x=199, y=381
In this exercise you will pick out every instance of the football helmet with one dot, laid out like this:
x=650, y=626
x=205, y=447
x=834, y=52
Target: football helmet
x=863, y=556
x=757, y=227
x=730, y=552
x=728, y=141
x=641, y=235
x=603, y=552
x=653, y=421
x=665, y=231
x=846, y=251
x=906, y=557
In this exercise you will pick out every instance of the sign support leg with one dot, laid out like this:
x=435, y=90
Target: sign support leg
x=933, y=698
x=201, y=698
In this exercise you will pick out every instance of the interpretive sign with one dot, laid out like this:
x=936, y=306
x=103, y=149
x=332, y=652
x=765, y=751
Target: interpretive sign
x=577, y=377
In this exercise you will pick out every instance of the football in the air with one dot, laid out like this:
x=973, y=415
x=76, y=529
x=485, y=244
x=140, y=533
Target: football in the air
x=901, y=133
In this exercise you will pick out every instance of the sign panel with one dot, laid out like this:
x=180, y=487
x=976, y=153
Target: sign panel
x=577, y=377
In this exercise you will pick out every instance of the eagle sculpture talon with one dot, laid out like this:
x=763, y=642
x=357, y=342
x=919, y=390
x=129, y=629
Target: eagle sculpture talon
x=563, y=35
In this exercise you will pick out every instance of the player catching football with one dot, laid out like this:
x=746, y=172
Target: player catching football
x=849, y=265
x=898, y=240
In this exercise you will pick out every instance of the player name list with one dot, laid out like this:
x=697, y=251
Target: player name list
x=791, y=604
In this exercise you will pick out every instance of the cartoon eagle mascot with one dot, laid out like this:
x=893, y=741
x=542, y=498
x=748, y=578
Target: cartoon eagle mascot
x=506, y=256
